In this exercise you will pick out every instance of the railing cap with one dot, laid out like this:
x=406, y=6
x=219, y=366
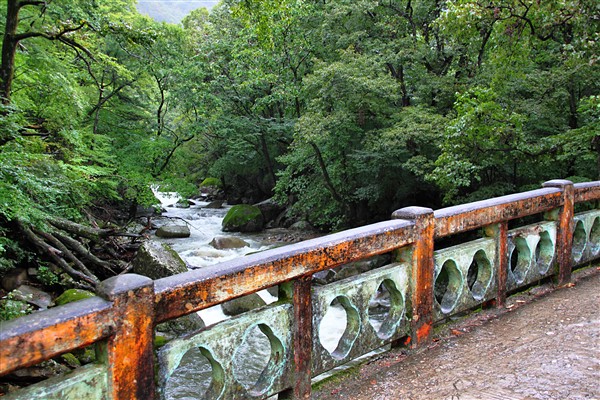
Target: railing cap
x=113, y=287
x=557, y=183
x=411, y=213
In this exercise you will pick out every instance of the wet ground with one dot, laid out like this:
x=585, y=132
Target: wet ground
x=545, y=344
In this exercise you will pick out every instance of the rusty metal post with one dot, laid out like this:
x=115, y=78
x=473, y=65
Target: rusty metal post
x=564, y=232
x=129, y=352
x=500, y=233
x=302, y=339
x=422, y=272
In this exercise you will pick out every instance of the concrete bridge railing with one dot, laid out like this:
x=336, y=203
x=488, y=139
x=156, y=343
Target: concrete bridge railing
x=425, y=284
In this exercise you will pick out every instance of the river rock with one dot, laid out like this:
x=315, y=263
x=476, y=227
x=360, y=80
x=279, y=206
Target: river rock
x=34, y=296
x=182, y=204
x=242, y=304
x=215, y=204
x=14, y=278
x=182, y=325
x=173, y=231
x=228, y=242
x=157, y=260
x=151, y=211
x=270, y=210
x=43, y=370
x=301, y=226
x=359, y=267
x=243, y=218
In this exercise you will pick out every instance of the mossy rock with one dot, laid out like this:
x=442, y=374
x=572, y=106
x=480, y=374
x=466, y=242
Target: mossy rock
x=71, y=360
x=242, y=304
x=243, y=218
x=72, y=295
x=215, y=182
x=160, y=341
x=157, y=260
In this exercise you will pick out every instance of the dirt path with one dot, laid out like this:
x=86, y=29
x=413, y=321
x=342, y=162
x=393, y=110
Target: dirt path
x=545, y=345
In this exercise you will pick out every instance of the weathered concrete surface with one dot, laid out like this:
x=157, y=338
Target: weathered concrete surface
x=544, y=345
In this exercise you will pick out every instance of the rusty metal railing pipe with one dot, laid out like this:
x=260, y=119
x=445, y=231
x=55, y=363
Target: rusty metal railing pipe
x=465, y=217
x=40, y=336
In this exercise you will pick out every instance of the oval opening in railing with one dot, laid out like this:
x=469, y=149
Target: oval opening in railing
x=339, y=342
x=198, y=376
x=595, y=237
x=479, y=275
x=579, y=241
x=386, y=309
x=544, y=253
x=258, y=361
x=448, y=286
x=520, y=259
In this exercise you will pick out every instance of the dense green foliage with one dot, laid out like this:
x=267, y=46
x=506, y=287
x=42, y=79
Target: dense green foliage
x=344, y=110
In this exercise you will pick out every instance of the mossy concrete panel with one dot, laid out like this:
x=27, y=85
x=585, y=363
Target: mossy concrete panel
x=531, y=254
x=586, y=236
x=220, y=342
x=354, y=294
x=454, y=292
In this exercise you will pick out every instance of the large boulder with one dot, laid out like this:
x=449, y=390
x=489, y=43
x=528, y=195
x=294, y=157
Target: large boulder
x=173, y=231
x=242, y=304
x=243, y=218
x=14, y=278
x=157, y=260
x=228, y=242
x=270, y=210
x=212, y=188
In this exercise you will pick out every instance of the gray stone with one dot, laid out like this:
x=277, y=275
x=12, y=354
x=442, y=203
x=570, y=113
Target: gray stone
x=182, y=204
x=215, y=204
x=302, y=226
x=270, y=210
x=182, y=325
x=273, y=290
x=228, y=242
x=173, y=231
x=359, y=267
x=157, y=260
x=324, y=277
x=34, y=296
x=14, y=278
x=242, y=304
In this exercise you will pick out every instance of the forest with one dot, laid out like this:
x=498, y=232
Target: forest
x=342, y=111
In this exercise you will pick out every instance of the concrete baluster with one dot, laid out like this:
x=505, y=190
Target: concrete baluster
x=422, y=272
x=129, y=352
x=564, y=233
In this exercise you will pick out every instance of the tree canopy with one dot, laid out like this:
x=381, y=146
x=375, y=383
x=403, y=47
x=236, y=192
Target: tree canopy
x=343, y=110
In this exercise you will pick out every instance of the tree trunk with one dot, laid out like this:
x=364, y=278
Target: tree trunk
x=9, y=48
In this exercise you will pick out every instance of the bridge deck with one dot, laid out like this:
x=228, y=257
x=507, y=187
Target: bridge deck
x=539, y=347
